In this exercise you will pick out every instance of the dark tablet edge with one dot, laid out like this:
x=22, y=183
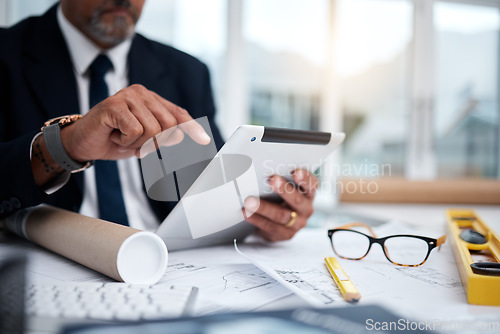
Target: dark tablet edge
x=290, y=136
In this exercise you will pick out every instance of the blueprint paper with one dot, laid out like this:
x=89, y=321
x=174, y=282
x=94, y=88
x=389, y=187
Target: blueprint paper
x=431, y=291
x=313, y=283
x=220, y=286
x=226, y=282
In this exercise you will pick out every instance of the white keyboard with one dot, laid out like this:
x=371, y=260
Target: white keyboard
x=108, y=301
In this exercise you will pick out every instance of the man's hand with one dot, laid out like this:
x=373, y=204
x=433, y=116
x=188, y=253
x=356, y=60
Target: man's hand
x=118, y=126
x=271, y=218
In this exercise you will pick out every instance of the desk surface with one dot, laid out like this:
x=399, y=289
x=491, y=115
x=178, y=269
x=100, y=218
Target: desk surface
x=431, y=217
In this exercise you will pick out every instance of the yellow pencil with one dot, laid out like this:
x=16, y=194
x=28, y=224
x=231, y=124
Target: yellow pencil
x=348, y=290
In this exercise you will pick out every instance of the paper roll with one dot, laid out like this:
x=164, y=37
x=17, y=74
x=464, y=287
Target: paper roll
x=123, y=253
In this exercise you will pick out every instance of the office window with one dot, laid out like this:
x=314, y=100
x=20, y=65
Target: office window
x=285, y=47
x=374, y=53
x=271, y=63
x=12, y=11
x=467, y=74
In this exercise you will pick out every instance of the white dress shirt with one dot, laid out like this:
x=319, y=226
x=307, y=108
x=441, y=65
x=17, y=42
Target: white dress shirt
x=83, y=52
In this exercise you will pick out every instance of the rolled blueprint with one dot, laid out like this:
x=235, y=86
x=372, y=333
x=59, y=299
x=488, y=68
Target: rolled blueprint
x=120, y=252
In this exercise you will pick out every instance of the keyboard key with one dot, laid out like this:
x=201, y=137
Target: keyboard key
x=107, y=301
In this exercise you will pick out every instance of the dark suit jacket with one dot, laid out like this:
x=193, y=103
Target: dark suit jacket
x=37, y=83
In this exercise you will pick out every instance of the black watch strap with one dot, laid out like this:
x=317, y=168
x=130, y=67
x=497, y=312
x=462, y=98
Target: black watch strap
x=52, y=136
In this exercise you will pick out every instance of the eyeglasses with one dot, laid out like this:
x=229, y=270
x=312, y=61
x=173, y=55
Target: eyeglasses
x=402, y=250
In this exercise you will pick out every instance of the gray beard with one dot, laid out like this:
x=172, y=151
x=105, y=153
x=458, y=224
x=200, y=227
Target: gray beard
x=110, y=34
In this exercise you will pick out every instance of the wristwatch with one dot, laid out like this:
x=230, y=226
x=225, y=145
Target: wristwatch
x=52, y=134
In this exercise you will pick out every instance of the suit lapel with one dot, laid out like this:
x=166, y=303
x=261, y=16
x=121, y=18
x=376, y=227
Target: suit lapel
x=146, y=69
x=48, y=69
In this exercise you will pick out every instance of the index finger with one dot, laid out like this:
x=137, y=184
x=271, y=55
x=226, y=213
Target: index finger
x=169, y=137
x=308, y=182
x=185, y=121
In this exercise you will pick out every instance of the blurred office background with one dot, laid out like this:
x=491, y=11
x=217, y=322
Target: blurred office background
x=413, y=83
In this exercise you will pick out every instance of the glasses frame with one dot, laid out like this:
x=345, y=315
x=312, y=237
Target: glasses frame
x=431, y=243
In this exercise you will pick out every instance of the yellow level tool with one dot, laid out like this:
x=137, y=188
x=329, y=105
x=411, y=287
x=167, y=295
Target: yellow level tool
x=477, y=252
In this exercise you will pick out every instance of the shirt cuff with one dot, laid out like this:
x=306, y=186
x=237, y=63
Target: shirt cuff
x=56, y=183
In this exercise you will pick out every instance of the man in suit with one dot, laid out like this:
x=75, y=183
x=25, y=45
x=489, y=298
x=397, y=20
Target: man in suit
x=48, y=69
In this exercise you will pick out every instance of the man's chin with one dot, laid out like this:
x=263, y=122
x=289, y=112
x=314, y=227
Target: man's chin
x=111, y=40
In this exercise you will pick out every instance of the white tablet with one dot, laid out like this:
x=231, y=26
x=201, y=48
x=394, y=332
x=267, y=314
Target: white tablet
x=210, y=212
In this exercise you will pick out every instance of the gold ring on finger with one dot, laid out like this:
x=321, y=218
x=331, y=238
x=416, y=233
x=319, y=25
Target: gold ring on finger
x=293, y=218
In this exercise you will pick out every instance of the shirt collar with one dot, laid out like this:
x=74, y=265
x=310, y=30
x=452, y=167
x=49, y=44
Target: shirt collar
x=83, y=51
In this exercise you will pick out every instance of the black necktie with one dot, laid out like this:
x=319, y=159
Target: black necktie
x=109, y=190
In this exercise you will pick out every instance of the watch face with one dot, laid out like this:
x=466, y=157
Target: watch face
x=55, y=147
x=69, y=119
x=62, y=120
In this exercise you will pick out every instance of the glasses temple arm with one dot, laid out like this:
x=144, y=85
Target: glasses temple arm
x=358, y=224
x=440, y=241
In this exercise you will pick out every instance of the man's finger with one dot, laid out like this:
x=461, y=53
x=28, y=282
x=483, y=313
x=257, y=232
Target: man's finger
x=292, y=195
x=185, y=121
x=150, y=125
x=307, y=182
x=130, y=129
x=166, y=138
x=169, y=137
x=161, y=113
x=269, y=229
x=196, y=132
x=272, y=211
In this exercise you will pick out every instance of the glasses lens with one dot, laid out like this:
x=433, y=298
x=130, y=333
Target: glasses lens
x=406, y=250
x=350, y=244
